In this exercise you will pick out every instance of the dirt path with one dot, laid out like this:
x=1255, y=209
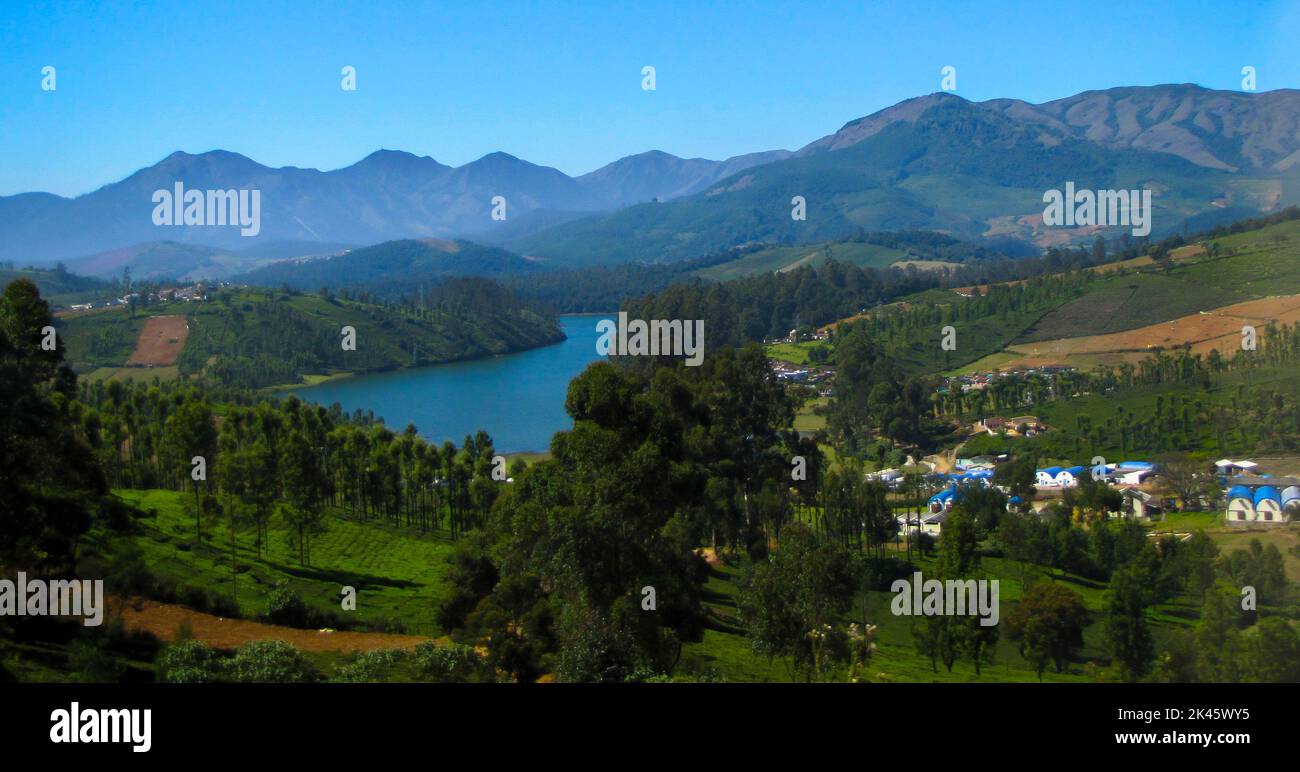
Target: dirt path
x=163, y=620
x=161, y=340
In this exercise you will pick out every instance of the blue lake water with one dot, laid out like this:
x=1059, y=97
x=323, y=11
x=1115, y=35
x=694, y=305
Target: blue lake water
x=518, y=399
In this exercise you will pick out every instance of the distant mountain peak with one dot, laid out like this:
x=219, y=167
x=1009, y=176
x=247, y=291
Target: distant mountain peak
x=500, y=157
x=859, y=129
x=384, y=154
x=395, y=194
x=1218, y=129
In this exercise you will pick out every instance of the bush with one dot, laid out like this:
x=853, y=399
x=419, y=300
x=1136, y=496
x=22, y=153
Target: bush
x=195, y=597
x=370, y=666
x=189, y=662
x=271, y=662
x=284, y=607
x=456, y=663
x=89, y=657
x=126, y=571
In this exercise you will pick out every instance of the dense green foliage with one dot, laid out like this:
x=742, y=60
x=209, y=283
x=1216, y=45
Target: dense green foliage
x=392, y=269
x=51, y=282
x=254, y=338
x=658, y=461
x=668, y=534
x=49, y=485
x=955, y=168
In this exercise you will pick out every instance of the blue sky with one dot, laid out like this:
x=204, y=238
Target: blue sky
x=560, y=83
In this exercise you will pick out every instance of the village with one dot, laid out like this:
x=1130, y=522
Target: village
x=1248, y=494
x=192, y=293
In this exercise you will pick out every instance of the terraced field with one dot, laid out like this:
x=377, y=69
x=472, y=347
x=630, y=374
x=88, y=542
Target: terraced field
x=1127, y=302
x=397, y=572
x=1218, y=328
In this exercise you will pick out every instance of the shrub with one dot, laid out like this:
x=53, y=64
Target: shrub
x=284, y=607
x=370, y=666
x=189, y=662
x=90, y=658
x=195, y=597
x=271, y=662
x=126, y=571
x=455, y=663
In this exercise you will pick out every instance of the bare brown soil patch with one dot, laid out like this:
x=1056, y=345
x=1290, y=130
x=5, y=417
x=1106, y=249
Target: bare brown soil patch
x=1219, y=329
x=161, y=341
x=163, y=620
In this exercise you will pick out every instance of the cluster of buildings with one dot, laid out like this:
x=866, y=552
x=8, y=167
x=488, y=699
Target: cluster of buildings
x=976, y=472
x=1256, y=498
x=191, y=293
x=795, y=336
x=101, y=304
x=1127, y=475
x=1251, y=496
x=1123, y=473
x=1020, y=426
x=817, y=376
x=979, y=381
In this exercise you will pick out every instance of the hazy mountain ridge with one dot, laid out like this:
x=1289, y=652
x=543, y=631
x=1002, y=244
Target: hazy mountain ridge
x=935, y=162
x=385, y=196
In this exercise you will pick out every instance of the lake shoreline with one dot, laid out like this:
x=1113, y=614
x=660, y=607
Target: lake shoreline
x=323, y=378
x=517, y=398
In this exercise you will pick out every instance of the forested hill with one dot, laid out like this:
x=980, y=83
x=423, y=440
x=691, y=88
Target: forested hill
x=50, y=282
x=394, y=268
x=256, y=338
x=768, y=305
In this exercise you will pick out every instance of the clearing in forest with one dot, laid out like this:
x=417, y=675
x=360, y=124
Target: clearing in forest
x=160, y=341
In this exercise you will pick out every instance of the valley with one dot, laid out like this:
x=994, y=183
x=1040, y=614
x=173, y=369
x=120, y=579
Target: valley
x=385, y=440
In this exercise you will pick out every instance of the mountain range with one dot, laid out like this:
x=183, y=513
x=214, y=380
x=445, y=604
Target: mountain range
x=975, y=170
x=386, y=195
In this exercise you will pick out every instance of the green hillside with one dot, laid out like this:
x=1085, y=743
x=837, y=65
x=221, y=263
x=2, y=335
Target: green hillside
x=958, y=169
x=865, y=250
x=398, y=573
x=1253, y=264
x=260, y=338
x=57, y=285
x=393, y=268
x=786, y=258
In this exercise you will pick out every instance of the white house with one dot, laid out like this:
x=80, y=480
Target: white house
x=1268, y=504
x=1241, y=504
x=933, y=523
x=1257, y=500
x=1143, y=505
x=1068, y=478
x=1229, y=468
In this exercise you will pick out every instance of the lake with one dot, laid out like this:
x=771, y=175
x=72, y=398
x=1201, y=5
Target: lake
x=518, y=399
